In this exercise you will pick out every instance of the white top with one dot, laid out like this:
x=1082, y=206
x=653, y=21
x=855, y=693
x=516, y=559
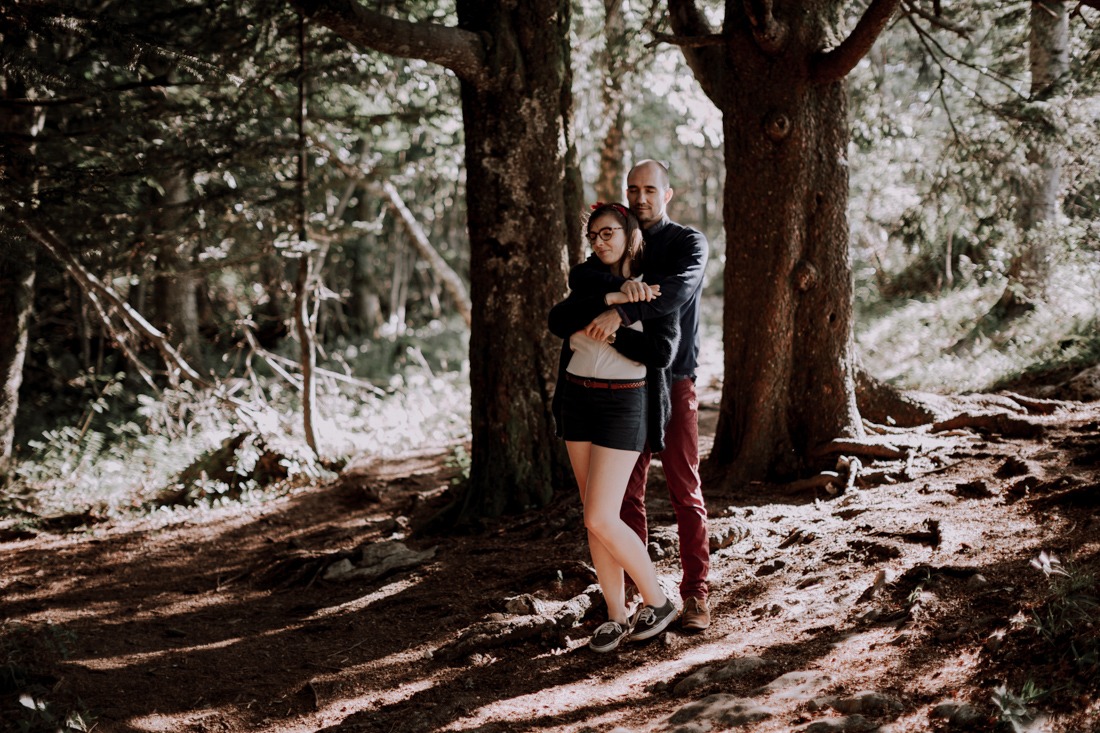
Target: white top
x=600, y=360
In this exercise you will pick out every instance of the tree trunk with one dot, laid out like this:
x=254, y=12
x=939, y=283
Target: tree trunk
x=789, y=373
x=17, y=272
x=19, y=126
x=519, y=201
x=176, y=286
x=523, y=196
x=1041, y=179
x=609, y=185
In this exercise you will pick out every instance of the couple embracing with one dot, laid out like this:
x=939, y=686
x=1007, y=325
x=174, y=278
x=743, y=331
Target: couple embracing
x=626, y=390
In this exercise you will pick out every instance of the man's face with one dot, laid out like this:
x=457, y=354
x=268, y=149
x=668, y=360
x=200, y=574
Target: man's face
x=647, y=194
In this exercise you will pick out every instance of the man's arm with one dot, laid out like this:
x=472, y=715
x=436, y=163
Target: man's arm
x=677, y=287
x=655, y=347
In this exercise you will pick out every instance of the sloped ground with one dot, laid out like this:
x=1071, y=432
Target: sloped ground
x=903, y=606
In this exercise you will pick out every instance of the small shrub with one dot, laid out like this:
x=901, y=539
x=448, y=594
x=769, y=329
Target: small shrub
x=1067, y=617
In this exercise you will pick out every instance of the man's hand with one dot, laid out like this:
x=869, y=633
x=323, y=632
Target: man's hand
x=603, y=325
x=637, y=292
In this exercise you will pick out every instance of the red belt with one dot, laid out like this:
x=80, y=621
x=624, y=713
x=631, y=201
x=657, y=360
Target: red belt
x=598, y=384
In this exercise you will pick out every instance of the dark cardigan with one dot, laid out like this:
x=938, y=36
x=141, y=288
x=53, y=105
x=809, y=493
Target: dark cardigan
x=654, y=346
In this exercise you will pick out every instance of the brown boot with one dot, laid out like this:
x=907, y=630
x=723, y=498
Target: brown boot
x=696, y=615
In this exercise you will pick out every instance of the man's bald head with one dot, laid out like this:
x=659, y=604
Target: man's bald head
x=648, y=192
x=655, y=167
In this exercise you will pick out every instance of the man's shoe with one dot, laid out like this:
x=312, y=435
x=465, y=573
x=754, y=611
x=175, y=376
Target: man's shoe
x=651, y=621
x=608, y=636
x=696, y=615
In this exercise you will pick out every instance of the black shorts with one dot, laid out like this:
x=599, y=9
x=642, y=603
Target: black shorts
x=612, y=418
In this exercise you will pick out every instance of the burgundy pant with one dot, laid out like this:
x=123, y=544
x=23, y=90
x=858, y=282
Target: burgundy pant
x=680, y=459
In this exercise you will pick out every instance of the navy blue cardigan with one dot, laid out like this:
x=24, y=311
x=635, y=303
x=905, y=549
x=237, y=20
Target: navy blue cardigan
x=655, y=346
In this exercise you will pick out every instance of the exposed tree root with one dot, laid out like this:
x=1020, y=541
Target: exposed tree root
x=993, y=422
x=873, y=447
x=507, y=631
x=885, y=404
x=1078, y=496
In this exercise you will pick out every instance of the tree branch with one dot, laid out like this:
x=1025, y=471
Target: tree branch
x=134, y=320
x=707, y=63
x=911, y=8
x=451, y=281
x=459, y=50
x=713, y=39
x=835, y=64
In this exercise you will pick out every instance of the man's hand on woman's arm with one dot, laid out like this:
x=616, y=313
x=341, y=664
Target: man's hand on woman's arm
x=634, y=291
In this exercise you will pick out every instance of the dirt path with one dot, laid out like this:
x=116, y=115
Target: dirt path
x=896, y=607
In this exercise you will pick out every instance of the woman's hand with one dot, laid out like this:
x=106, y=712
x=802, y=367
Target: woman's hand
x=633, y=292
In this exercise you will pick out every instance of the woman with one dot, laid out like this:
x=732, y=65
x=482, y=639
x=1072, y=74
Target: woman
x=611, y=397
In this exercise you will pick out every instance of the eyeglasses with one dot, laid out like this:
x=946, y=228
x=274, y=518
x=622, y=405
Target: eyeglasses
x=605, y=234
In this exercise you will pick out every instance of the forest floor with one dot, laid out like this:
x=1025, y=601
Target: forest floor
x=908, y=602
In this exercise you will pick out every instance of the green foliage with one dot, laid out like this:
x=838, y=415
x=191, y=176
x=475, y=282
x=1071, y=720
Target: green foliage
x=1067, y=618
x=941, y=122
x=462, y=461
x=1016, y=709
x=173, y=450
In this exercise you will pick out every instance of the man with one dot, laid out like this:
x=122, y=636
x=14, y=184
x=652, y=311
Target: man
x=675, y=258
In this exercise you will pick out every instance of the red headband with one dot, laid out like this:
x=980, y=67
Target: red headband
x=618, y=207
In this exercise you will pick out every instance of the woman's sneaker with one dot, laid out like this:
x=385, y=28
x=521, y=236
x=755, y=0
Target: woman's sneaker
x=651, y=621
x=608, y=636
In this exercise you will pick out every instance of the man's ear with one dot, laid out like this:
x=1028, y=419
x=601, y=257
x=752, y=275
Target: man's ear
x=668, y=195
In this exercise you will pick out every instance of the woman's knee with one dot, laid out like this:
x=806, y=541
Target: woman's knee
x=599, y=522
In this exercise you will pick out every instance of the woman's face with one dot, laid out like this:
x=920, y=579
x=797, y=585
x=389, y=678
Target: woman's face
x=607, y=238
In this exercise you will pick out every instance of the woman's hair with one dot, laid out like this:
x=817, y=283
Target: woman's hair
x=635, y=245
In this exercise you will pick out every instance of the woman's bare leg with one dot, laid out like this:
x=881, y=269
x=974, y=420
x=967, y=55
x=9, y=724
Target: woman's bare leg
x=608, y=472
x=608, y=570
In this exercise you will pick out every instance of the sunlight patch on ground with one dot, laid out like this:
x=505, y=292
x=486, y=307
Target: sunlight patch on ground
x=622, y=690
x=162, y=606
x=358, y=604
x=107, y=664
x=344, y=707
x=209, y=719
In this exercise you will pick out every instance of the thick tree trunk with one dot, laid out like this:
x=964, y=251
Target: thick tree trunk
x=789, y=373
x=523, y=197
x=1041, y=180
x=518, y=203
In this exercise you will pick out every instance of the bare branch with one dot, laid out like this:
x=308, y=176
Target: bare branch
x=459, y=50
x=714, y=39
x=912, y=8
x=932, y=46
x=134, y=320
x=451, y=281
x=835, y=64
